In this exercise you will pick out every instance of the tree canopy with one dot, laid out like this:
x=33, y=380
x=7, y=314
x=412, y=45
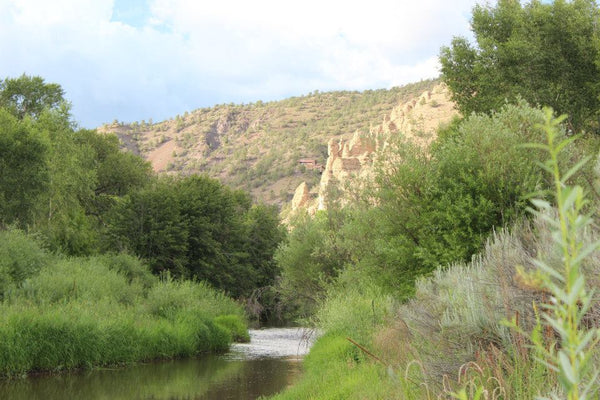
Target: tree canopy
x=195, y=227
x=82, y=195
x=549, y=54
x=30, y=95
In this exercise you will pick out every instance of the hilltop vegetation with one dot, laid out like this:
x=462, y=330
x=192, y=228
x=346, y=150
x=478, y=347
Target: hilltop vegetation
x=256, y=147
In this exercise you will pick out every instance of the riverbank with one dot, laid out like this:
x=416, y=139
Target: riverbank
x=453, y=336
x=74, y=313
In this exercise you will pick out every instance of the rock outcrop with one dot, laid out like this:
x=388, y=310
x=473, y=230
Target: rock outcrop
x=301, y=197
x=351, y=162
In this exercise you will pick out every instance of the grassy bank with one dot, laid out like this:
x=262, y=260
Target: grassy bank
x=59, y=313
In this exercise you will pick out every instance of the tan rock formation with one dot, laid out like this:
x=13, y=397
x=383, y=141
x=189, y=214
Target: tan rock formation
x=350, y=162
x=301, y=197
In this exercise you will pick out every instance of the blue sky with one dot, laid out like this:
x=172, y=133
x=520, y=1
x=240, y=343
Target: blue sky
x=153, y=59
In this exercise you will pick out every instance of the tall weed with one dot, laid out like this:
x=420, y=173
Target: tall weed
x=570, y=356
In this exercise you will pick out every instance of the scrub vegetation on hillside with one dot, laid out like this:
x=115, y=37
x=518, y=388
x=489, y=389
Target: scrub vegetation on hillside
x=256, y=147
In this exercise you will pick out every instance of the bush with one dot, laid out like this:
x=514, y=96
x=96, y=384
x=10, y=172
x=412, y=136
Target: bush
x=129, y=266
x=235, y=326
x=355, y=310
x=20, y=258
x=78, y=279
x=168, y=297
x=86, y=312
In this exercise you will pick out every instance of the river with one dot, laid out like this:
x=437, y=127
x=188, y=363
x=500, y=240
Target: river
x=265, y=366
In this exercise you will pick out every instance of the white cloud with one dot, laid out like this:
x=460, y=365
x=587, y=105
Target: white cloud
x=197, y=53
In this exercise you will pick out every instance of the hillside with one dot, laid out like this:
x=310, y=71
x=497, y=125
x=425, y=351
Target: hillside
x=258, y=146
x=351, y=162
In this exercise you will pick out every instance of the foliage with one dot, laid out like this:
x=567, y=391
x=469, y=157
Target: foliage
x=451, y=335
x=88, y=312
x=195, y=227
x=57, y=179
x=20, y=258
x=355, y=310
x=132, y=268
x=309, y=260
x=432, y=208
x=30, y=96
x=84, y=196
x=23, y=162
x=547, y=53
x=571, y=300
x=445, y=203
x=449, y=340
x=60, y=213
x=235, y=325
x=149, y=224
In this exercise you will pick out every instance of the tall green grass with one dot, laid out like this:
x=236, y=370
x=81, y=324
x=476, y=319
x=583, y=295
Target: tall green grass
x=108, y=310
x=336, y=369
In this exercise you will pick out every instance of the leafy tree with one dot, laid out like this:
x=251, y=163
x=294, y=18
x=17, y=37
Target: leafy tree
x=30, y=95
x=116, y=172
x=445, y=204
x=195, y=227
x=310, y=260
x=148, y=223
x=61, y=212
x=547, y=53
x=214, y=226
x=21, y=257
x=263, y=233
x=24, y=176
x=55, y=179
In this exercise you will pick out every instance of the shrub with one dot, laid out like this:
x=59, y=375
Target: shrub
x=77, y=279
x=20, y=258
x=235, y=325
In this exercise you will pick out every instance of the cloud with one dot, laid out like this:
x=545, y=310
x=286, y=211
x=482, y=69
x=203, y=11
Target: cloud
x=191, y=54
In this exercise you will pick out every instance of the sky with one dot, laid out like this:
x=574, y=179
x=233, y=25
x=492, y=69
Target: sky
x=134, y=60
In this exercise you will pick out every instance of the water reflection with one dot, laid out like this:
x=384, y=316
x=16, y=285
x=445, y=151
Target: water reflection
x=267, y=365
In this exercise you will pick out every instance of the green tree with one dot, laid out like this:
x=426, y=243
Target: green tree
x=30, y=95
x=195, y=227
x=547, y=53
x=116, y=173
x=444, y=204
x=263, y=233
x=61, y=212
x=310, y=259
x=23, y=166
x=149, y=223
x=433, y=208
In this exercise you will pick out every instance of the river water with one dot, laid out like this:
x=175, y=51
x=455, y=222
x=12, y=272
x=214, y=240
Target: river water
x=265, y=366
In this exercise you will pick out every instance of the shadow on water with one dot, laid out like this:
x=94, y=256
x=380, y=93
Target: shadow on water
x=267, y=365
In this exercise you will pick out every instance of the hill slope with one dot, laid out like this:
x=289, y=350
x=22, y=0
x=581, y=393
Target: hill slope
x=258, y=146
